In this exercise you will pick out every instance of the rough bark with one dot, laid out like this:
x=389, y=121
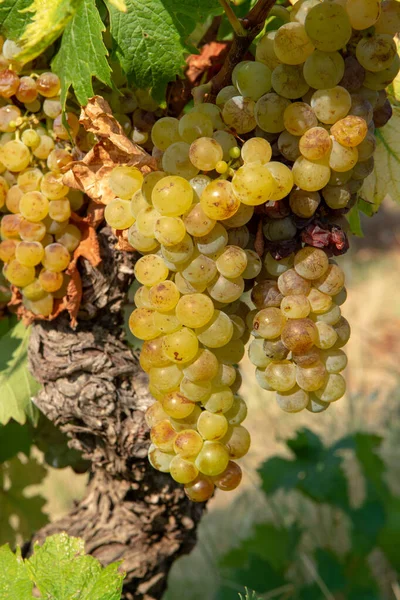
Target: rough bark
x=94, y=391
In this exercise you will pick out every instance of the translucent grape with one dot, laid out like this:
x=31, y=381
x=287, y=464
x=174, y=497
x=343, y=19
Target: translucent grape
x=211, y=426
x=45, y=147
x=269, y=112
x=179, y=253
x=146, y=221
x=177, y=406
x=29, y=254
x=288, y=81
x=182, y=470
x=292, y=401
x=333, y=389
x=238, y=113
x=163, y=435
x=381, y=79
x=299, y=335
x=253, y=184
x=389, y=19
x=256, y=149
x=50, y=281
x=311, y=378
x=276, y=267
x=203, y=368
x=212, y=459
x=295, y=307
x=172, y=196
x=281, y=375
x=226, y=290
x=283, y=179
x=169, y=231
x=334, y=360
x=214, y=241
x=304, y=204
x=323, y=70
x=292, y=46
x=252, y=79
x=269, y=323
x=298, y=118
x=205, y=153
x=164, y=296
x=232, y=262
x=152, y=355
x=176, y=161
x=220, y=400
x=311, y=263
x=188, y=443
x=217, y=332
x=29, y=180
x=219, y=200
x=212, y=111
x=328, y=26
x=319, y=301
x=141, y=324
x=254, y=265
x=225, y=94
x=15, y=156
x=159, y=460
x=19, y=274
x=376, y=52
x=194, y=310
x=363, y=13
x=330, y=105
x=48, y=84
x=310, y=175
x=265, y=50
x=194, y=125
x=343, y=331
x=150, y=270
x=165, y=132
x=181, y=346
x=7, y=250
x=292, y=283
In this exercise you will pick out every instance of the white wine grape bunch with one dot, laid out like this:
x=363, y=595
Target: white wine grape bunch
x=37, y=235
x=282, y=153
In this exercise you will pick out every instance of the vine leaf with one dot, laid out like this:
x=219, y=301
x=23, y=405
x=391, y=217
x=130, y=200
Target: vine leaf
x=151, y=38
x=17, y=385
x=60, y=569
x=13, y=17
x=15, y=503
x=82, y=53
x=14, y=579
x=49, y=19
x=385, y=179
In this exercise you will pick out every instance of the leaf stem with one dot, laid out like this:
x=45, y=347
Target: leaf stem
x=232, y=18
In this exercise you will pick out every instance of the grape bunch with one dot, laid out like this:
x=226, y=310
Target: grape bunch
x=249, y=195
x=37, y=235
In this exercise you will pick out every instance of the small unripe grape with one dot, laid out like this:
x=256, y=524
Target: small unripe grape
x=299, y=335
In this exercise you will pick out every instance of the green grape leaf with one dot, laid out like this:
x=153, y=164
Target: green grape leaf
x=15, y=476
x=82, y=54
x=48, y=19
x=12, y=17
x=15, y=583
x=385, y=178
x=354, y=221
x=15, y=438
x=62, y=571
x=17, y=386
x=151, y=38
x=388, y=537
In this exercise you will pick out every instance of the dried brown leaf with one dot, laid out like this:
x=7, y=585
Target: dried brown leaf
x=211, y=56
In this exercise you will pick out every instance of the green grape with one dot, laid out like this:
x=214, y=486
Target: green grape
x=310, y=263
x=299, y=335
x=220, y=400
x=376, y=52
x=279, y=229
x=169, y=231
x=269, y=323
x=159, y=460
x=56, y=257
x=323, y=70
x=167, y=378
x=13, y=197
x=200, y=490
x=301, y=9
x=214, y=241
x=141, y=242
x=182, y=470
x=328, y=26
x=254, y=265
x=196, y=221
x=60, y=210
x=7, y=250
x=389, y=19
x=330, y=316
x=295, y=306
x=340, y=179
x=319, y=301
x=238, y=113
x=152, y=355
x=281, y=375
x=288, y=81
x=265, y=50
x=172, y=196
x=188, y=443
x=146, y=221
x=292, y=283
x=334, y=360
x=311, y=176
x=333, y=389
x=331, y=282
x=52, y=187
x=150, y=270
x=34, y=206
x=204, y=367
x=315, y=143
x=269, y=112
x=298, y=118
x=142, y=323
x=239, y=236
x=238, y=411
x=181, y=346
x=177, y=406
x=29, y=254
x=304, y=204
x=283, y=179
x=34, y=291
x=256, y=149
x=212, y=111
x=381, y=79
x=188, y=288
x=205, y=153
x=28, y=231
x=330, y=105
x=29, y=180
x=307, y=358
x=292, y=46
x=19, y=274
x=15, y=156
x=70, y=237
x=216, y=332
x=176, y=161
x=292, y=401
x=163, y=436
x=212, y=459
x=232, y=262
x=125, y=181
x=118, y=214
x=237, y=441
x=342, y=158
x=225, y=139
x=165, y=132
x=326, y=336
x=288, y=146
x=226, y=290
x=232, y=353
x=311, y=378
x=253, y=184
x=252, y=79
x=42, y=307
x=342, y=329
x=195, y=310
x=257, y=355
x=164, y=296
x=363, y=13
x=219, y=201
x=194, y=125
x=211, y=426
x=316, y=406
